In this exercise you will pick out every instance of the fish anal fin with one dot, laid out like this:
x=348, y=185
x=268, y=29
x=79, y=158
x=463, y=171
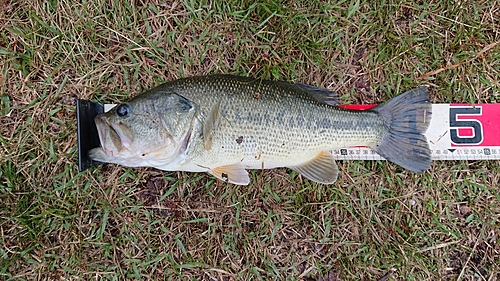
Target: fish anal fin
x=210, y=125
x=235, y=174
x=321, y=169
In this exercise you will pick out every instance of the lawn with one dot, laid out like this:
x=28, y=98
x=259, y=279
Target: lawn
x=377, y=222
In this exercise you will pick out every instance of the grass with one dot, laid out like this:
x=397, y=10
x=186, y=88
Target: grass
x=115, y=223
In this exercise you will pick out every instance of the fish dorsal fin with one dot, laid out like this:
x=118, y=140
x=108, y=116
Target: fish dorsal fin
x=321, y=169
x=235, y=174
x=210, y=124
x=321, y=95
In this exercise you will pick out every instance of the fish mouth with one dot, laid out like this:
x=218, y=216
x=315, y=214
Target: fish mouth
x=109, y=138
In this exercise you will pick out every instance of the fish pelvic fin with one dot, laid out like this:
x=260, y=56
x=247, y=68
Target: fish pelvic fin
x=407, y=118
x=321, y=169
x=235, y=174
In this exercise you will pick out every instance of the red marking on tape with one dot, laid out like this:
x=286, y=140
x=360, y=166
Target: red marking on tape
x=488, y=119
x=357, y=106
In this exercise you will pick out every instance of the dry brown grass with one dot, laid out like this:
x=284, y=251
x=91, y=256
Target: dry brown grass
x=119, y=223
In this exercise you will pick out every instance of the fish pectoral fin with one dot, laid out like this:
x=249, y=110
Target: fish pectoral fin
x=321, y=169
x=210, y=125
x=235, y=174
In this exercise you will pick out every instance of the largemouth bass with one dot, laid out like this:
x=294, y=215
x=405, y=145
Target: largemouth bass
x=224, y=125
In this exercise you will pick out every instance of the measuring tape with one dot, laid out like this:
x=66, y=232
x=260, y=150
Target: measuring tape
x=456, y=132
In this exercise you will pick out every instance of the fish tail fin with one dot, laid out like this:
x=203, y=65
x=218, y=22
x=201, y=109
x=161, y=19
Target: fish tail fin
x=407, y=117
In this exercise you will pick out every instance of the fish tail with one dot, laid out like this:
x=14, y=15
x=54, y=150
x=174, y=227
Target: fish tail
x=407, y=117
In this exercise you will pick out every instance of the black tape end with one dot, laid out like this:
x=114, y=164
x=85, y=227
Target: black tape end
x=88, y=137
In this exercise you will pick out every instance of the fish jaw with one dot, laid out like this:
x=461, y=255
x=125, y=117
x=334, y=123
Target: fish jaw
x=163, y=158
x=111, y=149
x=127, y=159
x=111, y=144
x=98, y=154
x=123, y=132
x=114, y=145
x=118, y=147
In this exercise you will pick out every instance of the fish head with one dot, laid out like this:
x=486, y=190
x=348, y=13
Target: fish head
x=152, y=129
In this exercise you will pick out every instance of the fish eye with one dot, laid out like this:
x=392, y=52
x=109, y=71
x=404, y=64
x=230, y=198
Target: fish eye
x=123, y=110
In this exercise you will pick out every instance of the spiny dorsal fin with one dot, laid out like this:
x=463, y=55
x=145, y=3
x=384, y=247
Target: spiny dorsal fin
x=235, y=174
x=210, y=124
x=321, y=169
x=321, y=95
